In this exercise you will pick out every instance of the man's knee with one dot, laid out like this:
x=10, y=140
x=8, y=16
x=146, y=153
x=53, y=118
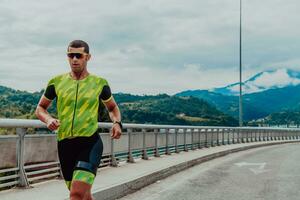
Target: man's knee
x=79, y=190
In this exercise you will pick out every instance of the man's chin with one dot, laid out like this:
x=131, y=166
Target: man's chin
x=76, y=69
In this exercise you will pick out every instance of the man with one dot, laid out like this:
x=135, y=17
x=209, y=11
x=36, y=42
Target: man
x=78, y=94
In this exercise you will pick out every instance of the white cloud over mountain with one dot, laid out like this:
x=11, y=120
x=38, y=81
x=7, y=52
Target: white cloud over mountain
x=267, y=80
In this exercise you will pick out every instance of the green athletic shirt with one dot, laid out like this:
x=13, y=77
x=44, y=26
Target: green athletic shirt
x=77, y=103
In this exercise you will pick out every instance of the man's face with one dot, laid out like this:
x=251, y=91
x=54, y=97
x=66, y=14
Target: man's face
x=77, y=59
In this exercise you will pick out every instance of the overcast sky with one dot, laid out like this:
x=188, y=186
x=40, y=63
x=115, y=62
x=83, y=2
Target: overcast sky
x=148, y=47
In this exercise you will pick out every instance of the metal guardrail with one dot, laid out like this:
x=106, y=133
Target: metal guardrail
x=26, y=159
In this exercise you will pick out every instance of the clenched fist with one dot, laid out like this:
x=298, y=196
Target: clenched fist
x=52, y=124
x=116, y=131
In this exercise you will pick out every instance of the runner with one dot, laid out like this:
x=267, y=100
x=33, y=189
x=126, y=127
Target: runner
x=78, y=94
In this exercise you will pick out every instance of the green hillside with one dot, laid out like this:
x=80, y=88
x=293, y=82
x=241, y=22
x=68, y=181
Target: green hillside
x=164, y=109
x=289, y=118
x=154, y=109
x=255, y=105
x=17, y=104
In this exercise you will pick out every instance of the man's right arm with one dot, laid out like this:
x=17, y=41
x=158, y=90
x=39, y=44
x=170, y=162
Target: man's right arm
x=42, y=113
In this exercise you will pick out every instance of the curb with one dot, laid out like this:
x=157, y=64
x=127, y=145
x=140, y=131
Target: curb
x=132, y=186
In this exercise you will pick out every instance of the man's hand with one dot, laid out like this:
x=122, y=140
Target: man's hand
x=52, y=124
x=116, y=131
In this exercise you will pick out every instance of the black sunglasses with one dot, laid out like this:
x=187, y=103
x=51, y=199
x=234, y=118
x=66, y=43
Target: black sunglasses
x=77, y=55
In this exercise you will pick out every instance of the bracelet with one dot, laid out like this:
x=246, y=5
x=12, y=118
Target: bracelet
x=118, y=122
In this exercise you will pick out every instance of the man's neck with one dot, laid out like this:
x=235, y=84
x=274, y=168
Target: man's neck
x=80, y=75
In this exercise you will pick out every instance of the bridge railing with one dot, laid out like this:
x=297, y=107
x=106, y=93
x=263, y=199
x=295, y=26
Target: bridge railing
x=29, y=158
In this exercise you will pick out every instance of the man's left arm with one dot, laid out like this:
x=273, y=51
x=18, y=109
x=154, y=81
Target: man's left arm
x=115, y=116
x=114, y=112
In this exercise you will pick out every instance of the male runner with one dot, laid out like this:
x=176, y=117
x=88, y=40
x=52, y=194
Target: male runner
x=78, y=94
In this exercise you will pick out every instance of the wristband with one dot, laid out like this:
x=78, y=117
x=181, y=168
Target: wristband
x=119, y=122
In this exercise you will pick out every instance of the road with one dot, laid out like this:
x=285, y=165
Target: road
x=268, y=173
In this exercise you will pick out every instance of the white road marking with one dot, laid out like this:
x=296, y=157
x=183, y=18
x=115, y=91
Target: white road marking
x=260, y=167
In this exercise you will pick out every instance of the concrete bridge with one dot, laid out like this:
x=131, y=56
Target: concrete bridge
x=29, y=167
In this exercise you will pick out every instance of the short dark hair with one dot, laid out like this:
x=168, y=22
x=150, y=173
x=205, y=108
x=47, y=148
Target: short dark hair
x=79, y=44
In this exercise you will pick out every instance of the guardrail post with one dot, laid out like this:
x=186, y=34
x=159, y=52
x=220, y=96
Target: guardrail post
x=157, y=154
x=23, y=178
x=285, y=135
x=242, y=135
x=192, y=135
x=233, y=135
x=176, y=141
x=144, y=153
x=167, y=142
x=228, y=135
x=114, y=162
x=184, y=140
x=247, y=135
x=223, y=136
x=206, y=138
x=212, y=138
x=218, y=142
x=282, y=135
x=199, y=138
x=130, y=156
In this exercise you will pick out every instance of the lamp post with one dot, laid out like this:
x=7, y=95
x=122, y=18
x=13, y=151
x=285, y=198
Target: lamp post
x=240, y=96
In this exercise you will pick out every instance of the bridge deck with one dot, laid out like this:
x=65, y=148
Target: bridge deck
x=112, y=182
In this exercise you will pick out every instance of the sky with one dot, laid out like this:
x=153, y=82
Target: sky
x=149, y=46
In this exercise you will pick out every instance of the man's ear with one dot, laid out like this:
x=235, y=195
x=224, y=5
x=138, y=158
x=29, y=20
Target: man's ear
x=88, y=57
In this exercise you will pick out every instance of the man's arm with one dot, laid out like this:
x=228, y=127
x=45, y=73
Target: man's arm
x=115, y=116
x=42, y=113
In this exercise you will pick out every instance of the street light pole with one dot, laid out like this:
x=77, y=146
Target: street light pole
x=240, y=97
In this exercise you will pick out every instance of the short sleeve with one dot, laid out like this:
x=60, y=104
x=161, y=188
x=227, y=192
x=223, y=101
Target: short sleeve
x=50, y=92
x=105, y=94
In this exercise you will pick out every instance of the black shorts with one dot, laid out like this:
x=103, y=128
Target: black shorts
x=79, y=152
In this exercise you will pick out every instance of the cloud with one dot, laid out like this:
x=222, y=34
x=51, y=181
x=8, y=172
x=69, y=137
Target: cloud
x=178, y=45
x=267, y=80
x=279, y=78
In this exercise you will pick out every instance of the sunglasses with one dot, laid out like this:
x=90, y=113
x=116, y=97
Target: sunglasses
x=77, y=55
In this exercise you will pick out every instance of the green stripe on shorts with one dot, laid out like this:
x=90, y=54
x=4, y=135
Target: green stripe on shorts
x=68, y=183
x=84, y=176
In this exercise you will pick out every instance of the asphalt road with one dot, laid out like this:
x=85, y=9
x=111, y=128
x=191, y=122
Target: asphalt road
x=268, y=173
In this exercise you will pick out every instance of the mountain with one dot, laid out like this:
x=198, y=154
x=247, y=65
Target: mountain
x=271, y=79
x=155, y=109
x=275, y=94
x=290, y=118
x=164, y=109
x=18, y=104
